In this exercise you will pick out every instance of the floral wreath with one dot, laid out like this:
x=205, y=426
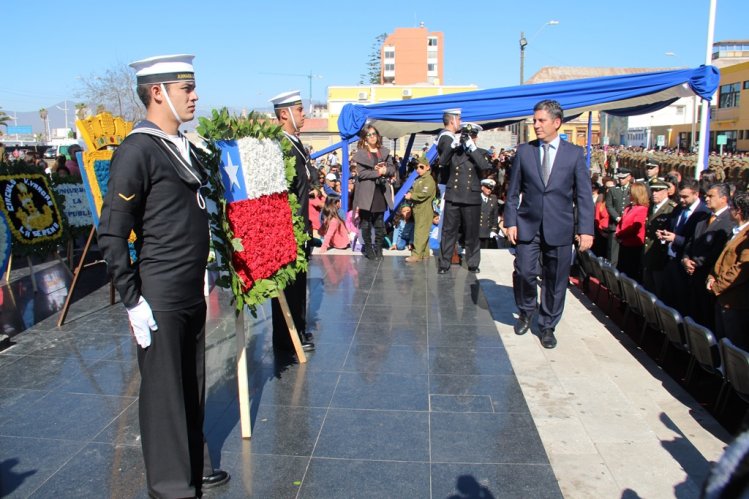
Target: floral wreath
x=222, y=126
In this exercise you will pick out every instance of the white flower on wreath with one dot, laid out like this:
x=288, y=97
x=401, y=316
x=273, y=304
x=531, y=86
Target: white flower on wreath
x=262, y=166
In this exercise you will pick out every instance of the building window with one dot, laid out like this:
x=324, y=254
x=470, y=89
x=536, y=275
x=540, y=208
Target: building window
x=679, y=110
x=729, y=95
x=431, y=68
x=389, y=67
x=432, y=41
x=389, y=52
x=746, y=85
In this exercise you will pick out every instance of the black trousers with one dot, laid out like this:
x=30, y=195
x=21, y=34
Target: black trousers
x=367, y=220
x=457, y=215
x=630, y=261
x=172, y=404
x=555, y=272
x=732, y=324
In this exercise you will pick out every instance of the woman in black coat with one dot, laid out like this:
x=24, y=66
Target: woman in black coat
x=373, y=193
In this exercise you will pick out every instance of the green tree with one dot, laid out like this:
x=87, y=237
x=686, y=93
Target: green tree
x=373, y=73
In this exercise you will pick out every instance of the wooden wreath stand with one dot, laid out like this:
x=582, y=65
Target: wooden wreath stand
x=76, y=274
x=242, y=373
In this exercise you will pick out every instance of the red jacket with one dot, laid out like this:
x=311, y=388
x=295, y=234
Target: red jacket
x=631, y=228
x=602, y=216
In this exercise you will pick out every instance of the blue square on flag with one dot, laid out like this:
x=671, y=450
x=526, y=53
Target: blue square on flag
x=231, y=172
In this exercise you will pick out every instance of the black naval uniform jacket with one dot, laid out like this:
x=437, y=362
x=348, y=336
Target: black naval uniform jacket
x=459, y=171
x=489, y=221
x=146, y=193
x=306, y=178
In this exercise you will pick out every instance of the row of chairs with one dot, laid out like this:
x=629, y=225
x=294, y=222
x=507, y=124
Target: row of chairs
x=720, y=358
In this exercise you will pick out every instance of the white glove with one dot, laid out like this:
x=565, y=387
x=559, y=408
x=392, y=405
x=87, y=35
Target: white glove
x=142, y=322
x=469, y=145
x=455, y=143
x=492, y=234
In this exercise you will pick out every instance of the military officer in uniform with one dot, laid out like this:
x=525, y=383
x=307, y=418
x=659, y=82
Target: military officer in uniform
x=489, y=222
x=460, y=162
x=655, y=254
x=616, y=200
x=290, y=113
x=154, y=190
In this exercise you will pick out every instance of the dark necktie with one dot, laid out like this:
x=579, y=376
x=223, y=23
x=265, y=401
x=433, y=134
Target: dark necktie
x=546, y=164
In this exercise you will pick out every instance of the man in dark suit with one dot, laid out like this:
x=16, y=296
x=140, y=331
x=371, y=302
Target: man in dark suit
x=702, y=250
x=554, y=182
x=290, y=113
x=691, y=211
x=460, y=161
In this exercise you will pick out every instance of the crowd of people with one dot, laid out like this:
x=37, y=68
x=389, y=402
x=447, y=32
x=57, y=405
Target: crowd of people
x=681, y=238
x=414, y=222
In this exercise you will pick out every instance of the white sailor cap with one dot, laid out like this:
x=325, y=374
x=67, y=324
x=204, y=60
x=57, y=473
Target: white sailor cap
x=489, y=183
x=456, y=111
x=471, y=127
x=287, y=99
x=164, y=69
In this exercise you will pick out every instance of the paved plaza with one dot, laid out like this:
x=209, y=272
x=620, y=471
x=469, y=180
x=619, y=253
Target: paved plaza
x=418, y=388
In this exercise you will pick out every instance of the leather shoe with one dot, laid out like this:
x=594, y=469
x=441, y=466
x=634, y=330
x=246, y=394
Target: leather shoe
x=547, y=338
x=216, y=479
x=475, y=270
x=442, y=271
x=308, y=336
x=523, y=324
x=308, y=346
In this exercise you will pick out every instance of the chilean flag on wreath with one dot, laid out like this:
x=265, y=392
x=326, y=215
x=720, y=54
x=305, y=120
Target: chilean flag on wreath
x=253, y=175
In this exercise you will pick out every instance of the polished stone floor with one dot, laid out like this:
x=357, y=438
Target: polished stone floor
x=409, y=394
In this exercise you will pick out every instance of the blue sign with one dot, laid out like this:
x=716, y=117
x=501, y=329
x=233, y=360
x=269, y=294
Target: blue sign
x=563, y=136
x=20, y=130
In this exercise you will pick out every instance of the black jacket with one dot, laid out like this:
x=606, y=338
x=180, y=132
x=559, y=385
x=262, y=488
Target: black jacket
x=147, y=194
x=459, y=171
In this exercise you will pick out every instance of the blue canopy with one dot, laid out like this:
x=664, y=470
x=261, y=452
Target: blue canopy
x=624, y=95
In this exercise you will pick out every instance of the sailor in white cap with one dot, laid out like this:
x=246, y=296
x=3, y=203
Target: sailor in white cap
x=459, y=164
x=290, y=113
x=153, y=190
x=489, y=221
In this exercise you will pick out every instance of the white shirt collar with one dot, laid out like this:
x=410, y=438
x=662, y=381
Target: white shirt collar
x=738, y=229
x=660, y=205
x=554, y=144
x=693, y=206
x=717, y=213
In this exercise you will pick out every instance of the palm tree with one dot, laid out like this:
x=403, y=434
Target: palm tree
x=43, y=114
x=4, y=119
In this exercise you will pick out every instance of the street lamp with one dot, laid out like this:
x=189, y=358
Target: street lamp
x=523, y=44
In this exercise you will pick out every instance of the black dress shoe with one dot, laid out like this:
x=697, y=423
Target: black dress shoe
x=523, y=324
x=442, y=271
x=548, y=340
x=308, y=336
x=475, y=270
x=308, y=346
x=216, y=479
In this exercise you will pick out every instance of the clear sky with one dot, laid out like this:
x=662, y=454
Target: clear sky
x=49, y=44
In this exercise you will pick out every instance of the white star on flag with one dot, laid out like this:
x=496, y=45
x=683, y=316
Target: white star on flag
x=231, y=171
